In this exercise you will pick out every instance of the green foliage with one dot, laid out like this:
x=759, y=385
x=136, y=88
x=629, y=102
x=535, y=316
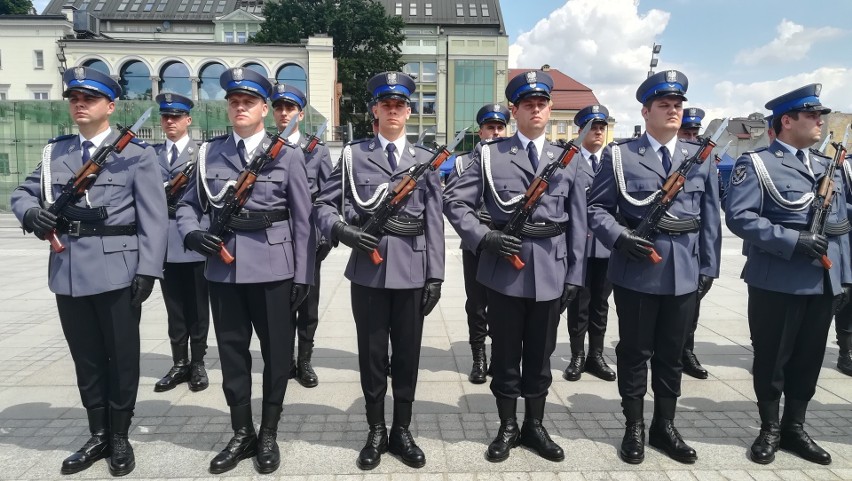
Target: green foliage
x=15, y=7
x=366, y=42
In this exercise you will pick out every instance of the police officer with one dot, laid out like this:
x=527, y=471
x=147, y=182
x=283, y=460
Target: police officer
x=588, y=311
x=115, y=243
x=274, y=257
x=523, y=305
x=689, y=127
x=184, y=286
x=655, y=302
x=791, y=296
x=288, y=104
x=843, y=319
x=389, y=299
x=492, y=120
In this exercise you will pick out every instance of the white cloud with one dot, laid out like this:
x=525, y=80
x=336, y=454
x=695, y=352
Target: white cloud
x=792, y=43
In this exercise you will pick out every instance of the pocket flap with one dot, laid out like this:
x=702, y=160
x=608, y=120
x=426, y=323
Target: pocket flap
x=278, y=234
x=111, y=178
x=274, y=176
x=120, y=243
x=642, y=185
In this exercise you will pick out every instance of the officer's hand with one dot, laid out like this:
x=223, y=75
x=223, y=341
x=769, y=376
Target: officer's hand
x=704, y=284
x=812, y=245
x=569, y=293
x=431, y=295
x=484, y=217
x=203, y=242
x=500, y=243
x=633, y=246
x=298, y=294
x=323, y=249
x=140, y=289
x=39, y=221
x=354, y=237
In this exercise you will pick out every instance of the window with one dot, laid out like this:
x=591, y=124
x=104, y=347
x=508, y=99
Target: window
x=208, y=6
x=98, y=65
x=162, y=6
x=294, y=75
x=122, y=6
x=484, y=9
x=415, y=105
x=229, y=37
x=561, y=127
x=428, y=9
x=430, y=72
x=398, y=9
x=459, y=10
x=195, y=6
x=221, y=7
x=149, y=6
x=428, y=104
x=84, y=5
x=100, y=5
x=38, y=59
x=135, y=6
x=2, y=95
x=40, y=95
x=135, y=81
x=412, y=9
x=241, y=37
x=181, y=7
x=174, y=77
x=412, y=69
x=430, y=43
x=208, y=82
x=472, y=9
x=412, y=43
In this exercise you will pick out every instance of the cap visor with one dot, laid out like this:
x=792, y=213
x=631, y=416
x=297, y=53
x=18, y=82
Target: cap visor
x=85, y=90
x=245, y=91
x=286, y=101
x=393, y=97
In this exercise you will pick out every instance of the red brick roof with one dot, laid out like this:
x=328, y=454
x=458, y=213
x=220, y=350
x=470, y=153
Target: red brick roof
x=567, y=94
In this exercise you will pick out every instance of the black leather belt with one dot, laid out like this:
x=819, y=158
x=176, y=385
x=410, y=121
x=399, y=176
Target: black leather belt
x=832, y=229
x=84, y=214
x=249, y=221
x=76, y=228
x=404, y=226
x=540, y=230
x=671, y=226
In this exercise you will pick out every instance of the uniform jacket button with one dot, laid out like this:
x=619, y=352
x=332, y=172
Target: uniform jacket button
x=124, y=245
x=109, y=179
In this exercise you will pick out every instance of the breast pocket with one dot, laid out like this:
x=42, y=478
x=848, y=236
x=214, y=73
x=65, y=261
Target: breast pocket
x=641, y=188
x=58, y=181
x=216, y=180
x=556, y=200
x=269, y=186
x=108, y=189
x=693, y=190
x=508, y=187
x=366, y=184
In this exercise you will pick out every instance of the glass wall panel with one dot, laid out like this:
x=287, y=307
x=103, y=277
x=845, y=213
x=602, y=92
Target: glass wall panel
x=208, y=86
x=135, y=81
x=98, y=65
x=174, y=77
x=294, y=75
x=474, y=87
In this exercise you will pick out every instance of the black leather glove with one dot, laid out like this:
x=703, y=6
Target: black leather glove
x=39, y=221
x=354, y=237
x=704, y=285
x=500, y=243
x=298, y=294
x=203, y=242
x=633, y=246
x=323, y=249
x=431, y=295
x=569, y=293
x=140, y=289
x=811, y=245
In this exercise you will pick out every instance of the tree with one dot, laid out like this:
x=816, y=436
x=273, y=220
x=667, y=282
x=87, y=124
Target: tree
x=366, y=42
x=15, y=7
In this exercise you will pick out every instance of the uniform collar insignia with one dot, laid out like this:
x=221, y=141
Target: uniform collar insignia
x=671, y=76
x=684, y=152
x=168, y=98
x=596, y=109
x=392, y=78
x=372, y=145
x=190, y=150
x=531, y=78
x=79, y=73
x=238, y=74
x=513, y=150
x=72, y=147
x=779, y=153
x=265, y=145
x=411, y=150
x=641, y=150
x=549, y=155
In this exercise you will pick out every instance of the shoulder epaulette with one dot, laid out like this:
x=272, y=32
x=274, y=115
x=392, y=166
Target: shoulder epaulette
x=61, y=137
x=624, y=141
x=359, y=141
x=462, y=154
x=819, y=154
x=755, y=151
x=427, y=149
x=218, y=137
x=690, y=142
x=139, y=142
x=494, y=141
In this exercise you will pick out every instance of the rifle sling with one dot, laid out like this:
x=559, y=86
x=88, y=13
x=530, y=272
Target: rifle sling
x=832, y=229
x=402, y=226
x=543, y=230
x=84, y=214
x=250, y=221
x=671, y=226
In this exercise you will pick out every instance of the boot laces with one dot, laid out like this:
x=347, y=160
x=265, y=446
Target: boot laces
x=92, y=442
x=305, y=367
x=634, y=430
x=268, y=437
x=119, y=444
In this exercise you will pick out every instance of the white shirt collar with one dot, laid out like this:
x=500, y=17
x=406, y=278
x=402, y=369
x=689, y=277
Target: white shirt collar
x=181, y=144
x=96, y=140
x=793, y=151
x=295, y=137
x=587, y=154
x=655, y=144
x=539, y=143
x=251, y=142
x=400, y=145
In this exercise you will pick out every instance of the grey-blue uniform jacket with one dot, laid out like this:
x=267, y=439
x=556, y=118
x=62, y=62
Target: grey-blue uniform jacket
x=461, y=163
x=282, y=251
x=318, y=165
x=176, y=251
x=594, y=247
x=131, y=189
x=408, y=261
x=685, y=256
x=770, y=231
x=550, y=262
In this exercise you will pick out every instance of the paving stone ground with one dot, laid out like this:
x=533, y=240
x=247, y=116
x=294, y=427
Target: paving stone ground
x=175, y=434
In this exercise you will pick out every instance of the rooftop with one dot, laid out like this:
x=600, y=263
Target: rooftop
x=447, y=12
x=567, y=94
x=191, y=10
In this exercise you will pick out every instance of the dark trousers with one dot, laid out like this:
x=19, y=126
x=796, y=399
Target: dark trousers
x=187, y=299
x=477, y=299
x=102, y=331
x=788, y=333
x=588, y=311
x=843, y=322
x=523, y=337
x=690, y=333
x=651, y=328
x=307, y=316
x=381, y=314
x=266, y=307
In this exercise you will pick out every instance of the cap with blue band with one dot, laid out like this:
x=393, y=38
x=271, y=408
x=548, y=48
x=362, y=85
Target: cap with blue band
x=596, y=113
x=246, y=81
x=692, y=118
x=171, y=103
x=533, y=83
x=288, y=93
x=90, y=81
x=663, y=84
x=803, y=99
x=391, y=85
x=493, y=113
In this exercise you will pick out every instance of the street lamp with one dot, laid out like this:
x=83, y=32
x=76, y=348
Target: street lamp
x=655, y=52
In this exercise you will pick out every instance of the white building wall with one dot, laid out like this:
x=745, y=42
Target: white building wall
x=20, y=38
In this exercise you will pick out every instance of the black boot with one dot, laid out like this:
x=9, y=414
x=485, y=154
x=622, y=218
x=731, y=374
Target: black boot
x=763, y=448
x=178, y=373
x=268, y=457
x=304, y=371
x=533, y=434
x=377, y=439
x=595, y=363
x=793, y=435
x=121, y=459
x=243, y=444
x=509, y=435
x=400, y=441
x=632, y=449
x=576, y=366
x=692, y=367
x=197, y=372
x=664, y=436
x=844, y=359
x=97, y=447
x=480, y=368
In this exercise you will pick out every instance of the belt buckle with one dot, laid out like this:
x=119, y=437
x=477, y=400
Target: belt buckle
x=74, y=228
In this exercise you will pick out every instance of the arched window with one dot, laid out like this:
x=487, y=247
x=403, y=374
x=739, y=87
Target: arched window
x=294, y=75
x=135, y=81
x=174, y=77
x=98, y=65
x=257, y=68
x=208, y=87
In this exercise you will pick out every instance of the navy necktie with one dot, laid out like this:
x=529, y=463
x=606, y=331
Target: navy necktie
x=391, y=148
x=532, y=153
x=85, y=147
x=241, y=149
x=595, y=163
x=800, y=154
x=174, y=155
x=667, y=159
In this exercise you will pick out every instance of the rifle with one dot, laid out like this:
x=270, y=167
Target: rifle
x=422, y=135
x=825, y=193
x=647, y=228
x=238, y=194
x=537, y=189
x=175, y=186
x=314, y=140
x=722, y=152
x=396, y=198
x=84, y=177
x=825, y=142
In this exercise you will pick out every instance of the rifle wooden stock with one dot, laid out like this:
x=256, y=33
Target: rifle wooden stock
x=312, y=144
x=823, y=198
